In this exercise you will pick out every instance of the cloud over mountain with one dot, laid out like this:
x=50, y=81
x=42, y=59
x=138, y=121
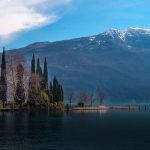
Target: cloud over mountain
x=20, y=15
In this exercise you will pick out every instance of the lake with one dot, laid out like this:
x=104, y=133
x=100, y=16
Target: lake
x=90, y=130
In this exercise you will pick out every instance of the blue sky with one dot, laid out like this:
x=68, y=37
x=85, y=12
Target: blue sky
x=66, y=19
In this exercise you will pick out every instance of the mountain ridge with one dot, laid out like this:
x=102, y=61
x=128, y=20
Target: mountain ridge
x=116, y=61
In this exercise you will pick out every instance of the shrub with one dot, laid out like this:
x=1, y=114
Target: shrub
x=80, y=104
x=44, y=97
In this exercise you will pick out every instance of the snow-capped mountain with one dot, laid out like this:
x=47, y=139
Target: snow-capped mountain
x=116, y=61
x=123, y=34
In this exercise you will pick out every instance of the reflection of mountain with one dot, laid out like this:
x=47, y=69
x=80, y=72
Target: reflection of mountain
x=116, y=61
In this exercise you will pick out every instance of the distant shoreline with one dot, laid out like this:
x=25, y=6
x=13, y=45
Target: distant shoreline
x=74, y=108
x=109, y=108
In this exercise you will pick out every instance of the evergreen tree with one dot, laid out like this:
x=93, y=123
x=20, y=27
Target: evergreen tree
x=51, y=86
x=39, y=74
x=55, y=90
x=3, y=80
x=39, y=85
x=33, y=64
x=38, y=68
x=32, y=91
x=58, y=94
x=45, y=75
x=61, y=93
x=40, y=71
x=51, y=92
x=20, y=91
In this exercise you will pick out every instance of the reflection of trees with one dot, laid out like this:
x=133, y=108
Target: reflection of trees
x=22, y=130
x=101, y=117
x=45, y=128
x=102, y=113
x=12, y=130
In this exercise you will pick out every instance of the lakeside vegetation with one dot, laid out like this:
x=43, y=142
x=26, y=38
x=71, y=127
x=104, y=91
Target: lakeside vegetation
x=29, y=89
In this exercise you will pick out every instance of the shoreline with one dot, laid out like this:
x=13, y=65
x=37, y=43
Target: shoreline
x=107, y=108
x=75, y=108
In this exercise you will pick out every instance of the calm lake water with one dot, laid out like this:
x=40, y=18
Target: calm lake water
x=91, y=130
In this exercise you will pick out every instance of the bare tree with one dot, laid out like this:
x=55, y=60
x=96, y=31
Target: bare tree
x=15, y=58
x=70, y=96
x=101, y=96
x=34, y=90
x=83, y=97
x=91, y=98
x=20, y=90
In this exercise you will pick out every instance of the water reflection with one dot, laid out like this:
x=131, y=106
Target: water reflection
x=21, y=130
x=84, y=130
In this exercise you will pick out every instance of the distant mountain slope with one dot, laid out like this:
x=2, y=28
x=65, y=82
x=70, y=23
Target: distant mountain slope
x=117, y=61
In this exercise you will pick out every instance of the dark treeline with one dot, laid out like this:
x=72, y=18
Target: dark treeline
x=39, y=91
x=32, y=88
x=3, y=80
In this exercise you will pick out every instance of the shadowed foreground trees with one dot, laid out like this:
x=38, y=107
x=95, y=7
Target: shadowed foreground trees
x=20, y=91
x=29, y=89
x=57, y=91
x=39, y=93
x=3, y=80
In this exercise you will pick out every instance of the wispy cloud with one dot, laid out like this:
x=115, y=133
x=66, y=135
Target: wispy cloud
x=20, y=15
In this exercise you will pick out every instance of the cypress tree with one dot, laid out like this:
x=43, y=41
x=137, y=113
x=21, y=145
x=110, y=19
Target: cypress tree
x=58, y=94
x=33, y=64
x=40, y=71
x=51, y=86
x=45, y=75
x=3, y=65
x=61, y=93
x=32, y=91
x=38, y=66
x=20, y=91
x=3, y=80
x=51, y=92
x=55, y=86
